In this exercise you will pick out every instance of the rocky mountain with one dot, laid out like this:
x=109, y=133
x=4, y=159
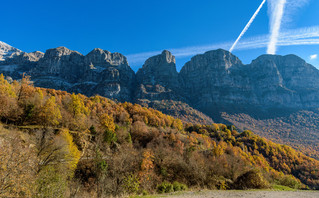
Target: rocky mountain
x=269, y=81
x=158, y=79
x=99, y=72
x=215, y=83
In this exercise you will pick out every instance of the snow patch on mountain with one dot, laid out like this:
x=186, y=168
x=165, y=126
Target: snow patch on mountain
x=7, y=51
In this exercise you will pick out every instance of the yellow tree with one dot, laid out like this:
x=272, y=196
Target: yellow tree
x=107, y=122
x=146, y=173
x=26, y=89
x=9, y=106
x=77, y=106
x=50, y=113
x=72, y=153
x=6, y=88
x=178, y=124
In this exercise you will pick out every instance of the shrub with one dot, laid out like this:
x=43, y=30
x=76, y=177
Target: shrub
x=179, y=186
x=282, y=188
x=222, y=185
x=144, y=192
x=131, y=184
x=290, y=181
x=176, y=186
x=165, y=187
x=252, y=179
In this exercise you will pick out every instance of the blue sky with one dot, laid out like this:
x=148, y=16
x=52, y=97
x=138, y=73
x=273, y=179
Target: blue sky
x=142, y=26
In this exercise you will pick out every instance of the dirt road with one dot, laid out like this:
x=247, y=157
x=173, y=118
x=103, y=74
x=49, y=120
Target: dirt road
x=248, y=194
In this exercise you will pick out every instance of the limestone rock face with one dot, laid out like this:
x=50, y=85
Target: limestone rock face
x=104, y=58
x=285, y=81
x=218, y=80
x=24, y=58
x=296, y=74
x=61, y=62
x=99, y=72
x=158, y=78
x=213, y=78
x=19, y=63
x=160, y=69
x=114, y=77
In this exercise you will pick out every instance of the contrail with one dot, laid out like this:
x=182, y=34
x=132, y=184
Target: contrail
x=276, y=18
x=248, y=25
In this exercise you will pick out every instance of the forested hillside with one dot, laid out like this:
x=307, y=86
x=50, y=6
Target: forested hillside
x=298, y=129
x=56, y=144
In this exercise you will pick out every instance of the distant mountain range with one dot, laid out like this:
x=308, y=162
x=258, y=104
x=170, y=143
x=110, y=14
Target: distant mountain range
x=275, y=95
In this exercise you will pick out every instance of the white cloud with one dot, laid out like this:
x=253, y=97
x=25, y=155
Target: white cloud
x=292, y=8
x=313, y=57
x=301, y=36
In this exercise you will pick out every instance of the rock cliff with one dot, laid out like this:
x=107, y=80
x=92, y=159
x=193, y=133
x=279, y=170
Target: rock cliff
x=99, y=72
x=158, y=79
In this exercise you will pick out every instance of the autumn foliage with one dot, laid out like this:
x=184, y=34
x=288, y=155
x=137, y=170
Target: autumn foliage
x=97, y=147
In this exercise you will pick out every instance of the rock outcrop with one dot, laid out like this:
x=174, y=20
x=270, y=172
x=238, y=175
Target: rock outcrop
x=214, y=78
x=99, y=72
x=111, y=72
x=218, y=79
x=20, y=63
x=158, y=79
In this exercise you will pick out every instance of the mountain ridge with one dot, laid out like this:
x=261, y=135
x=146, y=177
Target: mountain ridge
x=216, y=77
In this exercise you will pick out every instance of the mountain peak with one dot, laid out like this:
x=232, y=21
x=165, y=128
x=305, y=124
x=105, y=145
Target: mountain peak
x=289, y=60
x=59, y=51
x=7, y=50
x=168, y=56
x=211, y=60
x=159, y=69
x=220, y=53
x=163, y=59
x=4, y=45
x=99, y=50
x=102, y=57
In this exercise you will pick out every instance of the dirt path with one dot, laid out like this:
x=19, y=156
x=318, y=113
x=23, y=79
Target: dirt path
x=248, y=194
